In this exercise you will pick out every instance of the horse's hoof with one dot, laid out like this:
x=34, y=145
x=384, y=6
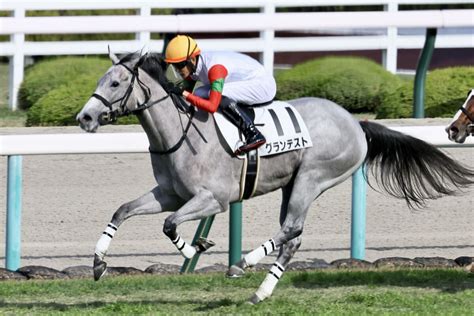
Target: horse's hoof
x=254, y=300
x=235, y=272
x=202, y=244
x=100, y=267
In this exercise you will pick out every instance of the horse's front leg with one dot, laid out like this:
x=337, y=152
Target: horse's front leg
x=152, y=202
x=202, y=205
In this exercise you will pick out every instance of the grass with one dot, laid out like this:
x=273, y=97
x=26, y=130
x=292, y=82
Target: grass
x=389, y=292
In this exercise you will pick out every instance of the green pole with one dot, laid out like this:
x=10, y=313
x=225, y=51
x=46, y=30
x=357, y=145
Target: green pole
x=202, y=231
x=420, y=76
x=235, y=233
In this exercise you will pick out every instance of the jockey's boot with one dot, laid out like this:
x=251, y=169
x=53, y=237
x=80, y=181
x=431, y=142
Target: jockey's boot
x=253, y=137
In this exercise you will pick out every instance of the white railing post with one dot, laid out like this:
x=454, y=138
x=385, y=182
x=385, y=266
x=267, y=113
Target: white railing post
x=389, y=55
x=268, y=36
x=17, y=63
x=144, y=37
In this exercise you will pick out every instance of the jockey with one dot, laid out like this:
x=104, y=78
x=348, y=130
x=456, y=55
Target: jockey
x=229, y=80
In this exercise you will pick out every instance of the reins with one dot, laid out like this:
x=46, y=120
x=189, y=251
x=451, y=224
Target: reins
x=122, y=110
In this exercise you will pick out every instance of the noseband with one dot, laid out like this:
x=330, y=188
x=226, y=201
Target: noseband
x=469, y=115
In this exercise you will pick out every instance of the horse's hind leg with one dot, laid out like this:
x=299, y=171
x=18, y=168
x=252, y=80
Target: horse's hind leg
x=238, y=269
x=152, y=202
x=303, y=193
x=287, y=251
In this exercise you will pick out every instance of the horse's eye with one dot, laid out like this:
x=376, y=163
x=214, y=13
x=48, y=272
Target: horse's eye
x=115, y=84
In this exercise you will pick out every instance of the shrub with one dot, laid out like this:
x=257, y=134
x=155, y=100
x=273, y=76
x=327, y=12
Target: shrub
x=61, y=105
x=357, y=84
x=445, y=91
x=47, y=75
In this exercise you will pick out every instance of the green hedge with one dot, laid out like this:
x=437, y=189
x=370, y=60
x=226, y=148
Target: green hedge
x=60, y=106
x=445, y=91
x=357, y=84
x=59, y=88
x=47, y=75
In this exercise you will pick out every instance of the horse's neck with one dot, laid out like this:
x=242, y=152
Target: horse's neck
x=161, y=122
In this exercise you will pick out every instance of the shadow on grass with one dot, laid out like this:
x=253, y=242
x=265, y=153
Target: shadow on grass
x=444, y=280
x=121, y=306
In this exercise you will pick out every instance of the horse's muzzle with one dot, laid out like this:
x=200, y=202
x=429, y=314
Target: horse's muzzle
x=87, y=123
x=107, y=117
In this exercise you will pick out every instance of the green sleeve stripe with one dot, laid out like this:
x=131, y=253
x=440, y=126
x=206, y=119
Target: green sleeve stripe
x=218, y=85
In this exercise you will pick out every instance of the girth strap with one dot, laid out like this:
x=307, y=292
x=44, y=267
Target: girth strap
x=249, y=177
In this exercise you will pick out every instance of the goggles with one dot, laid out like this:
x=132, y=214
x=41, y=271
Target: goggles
x=180, y=65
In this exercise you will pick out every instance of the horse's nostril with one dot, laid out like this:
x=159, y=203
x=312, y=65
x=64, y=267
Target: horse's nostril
x=454, y=129
x=86, y=118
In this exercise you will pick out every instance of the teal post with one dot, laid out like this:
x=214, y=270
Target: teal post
x=359, y=198
x=235, y=233
x=13, y=233
x=420, y=76
x=202, y=231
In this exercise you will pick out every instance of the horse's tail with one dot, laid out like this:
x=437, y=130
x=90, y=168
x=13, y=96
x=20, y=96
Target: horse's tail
x=410, y=168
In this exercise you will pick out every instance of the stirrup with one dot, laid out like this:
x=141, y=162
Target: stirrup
x=249, y=147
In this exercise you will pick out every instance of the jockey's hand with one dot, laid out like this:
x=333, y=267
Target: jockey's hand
x=176, y=90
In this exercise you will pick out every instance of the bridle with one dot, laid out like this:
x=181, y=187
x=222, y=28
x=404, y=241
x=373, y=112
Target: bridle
x=470, y=116
x=122, y=110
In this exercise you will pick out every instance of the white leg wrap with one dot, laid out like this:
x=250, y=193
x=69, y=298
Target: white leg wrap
x=253, y=257
x=268, y=285
x=186, y=250
x=104, y=241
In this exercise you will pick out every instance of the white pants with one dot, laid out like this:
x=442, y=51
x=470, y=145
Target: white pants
x=253, y=91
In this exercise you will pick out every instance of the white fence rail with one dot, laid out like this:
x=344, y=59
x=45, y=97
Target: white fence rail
x=104, y=143
x=14, y=146
x=266, y=22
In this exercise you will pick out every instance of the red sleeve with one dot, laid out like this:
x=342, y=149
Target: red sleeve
x=216, y=76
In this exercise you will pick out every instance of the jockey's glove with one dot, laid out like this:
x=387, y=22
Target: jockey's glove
x=175, y=89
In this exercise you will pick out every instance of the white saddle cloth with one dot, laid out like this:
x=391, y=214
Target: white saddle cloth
x=279, y=122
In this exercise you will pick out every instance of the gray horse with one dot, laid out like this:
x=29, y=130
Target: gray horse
x=198, y=176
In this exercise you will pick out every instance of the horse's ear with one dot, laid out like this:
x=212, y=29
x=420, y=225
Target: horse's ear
x=141, y=60
x=113, y=57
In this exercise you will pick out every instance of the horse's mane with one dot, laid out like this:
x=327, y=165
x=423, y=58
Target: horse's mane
x=155, y=66
x=152, y=63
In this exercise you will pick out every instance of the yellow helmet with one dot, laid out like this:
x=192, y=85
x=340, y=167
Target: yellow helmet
x=181, y=48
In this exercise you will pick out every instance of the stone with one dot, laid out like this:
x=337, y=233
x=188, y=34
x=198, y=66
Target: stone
x=41, y=273
x=214, y=268
x=162, y=268
x=79, y=272
x=115, y=271
x=397, y=262
x=464, y=261
x=351, y=264
x=436, y=262
x=307, y=265
x=10, y=275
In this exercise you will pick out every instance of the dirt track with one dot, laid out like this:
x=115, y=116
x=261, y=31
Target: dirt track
x=69, y=199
